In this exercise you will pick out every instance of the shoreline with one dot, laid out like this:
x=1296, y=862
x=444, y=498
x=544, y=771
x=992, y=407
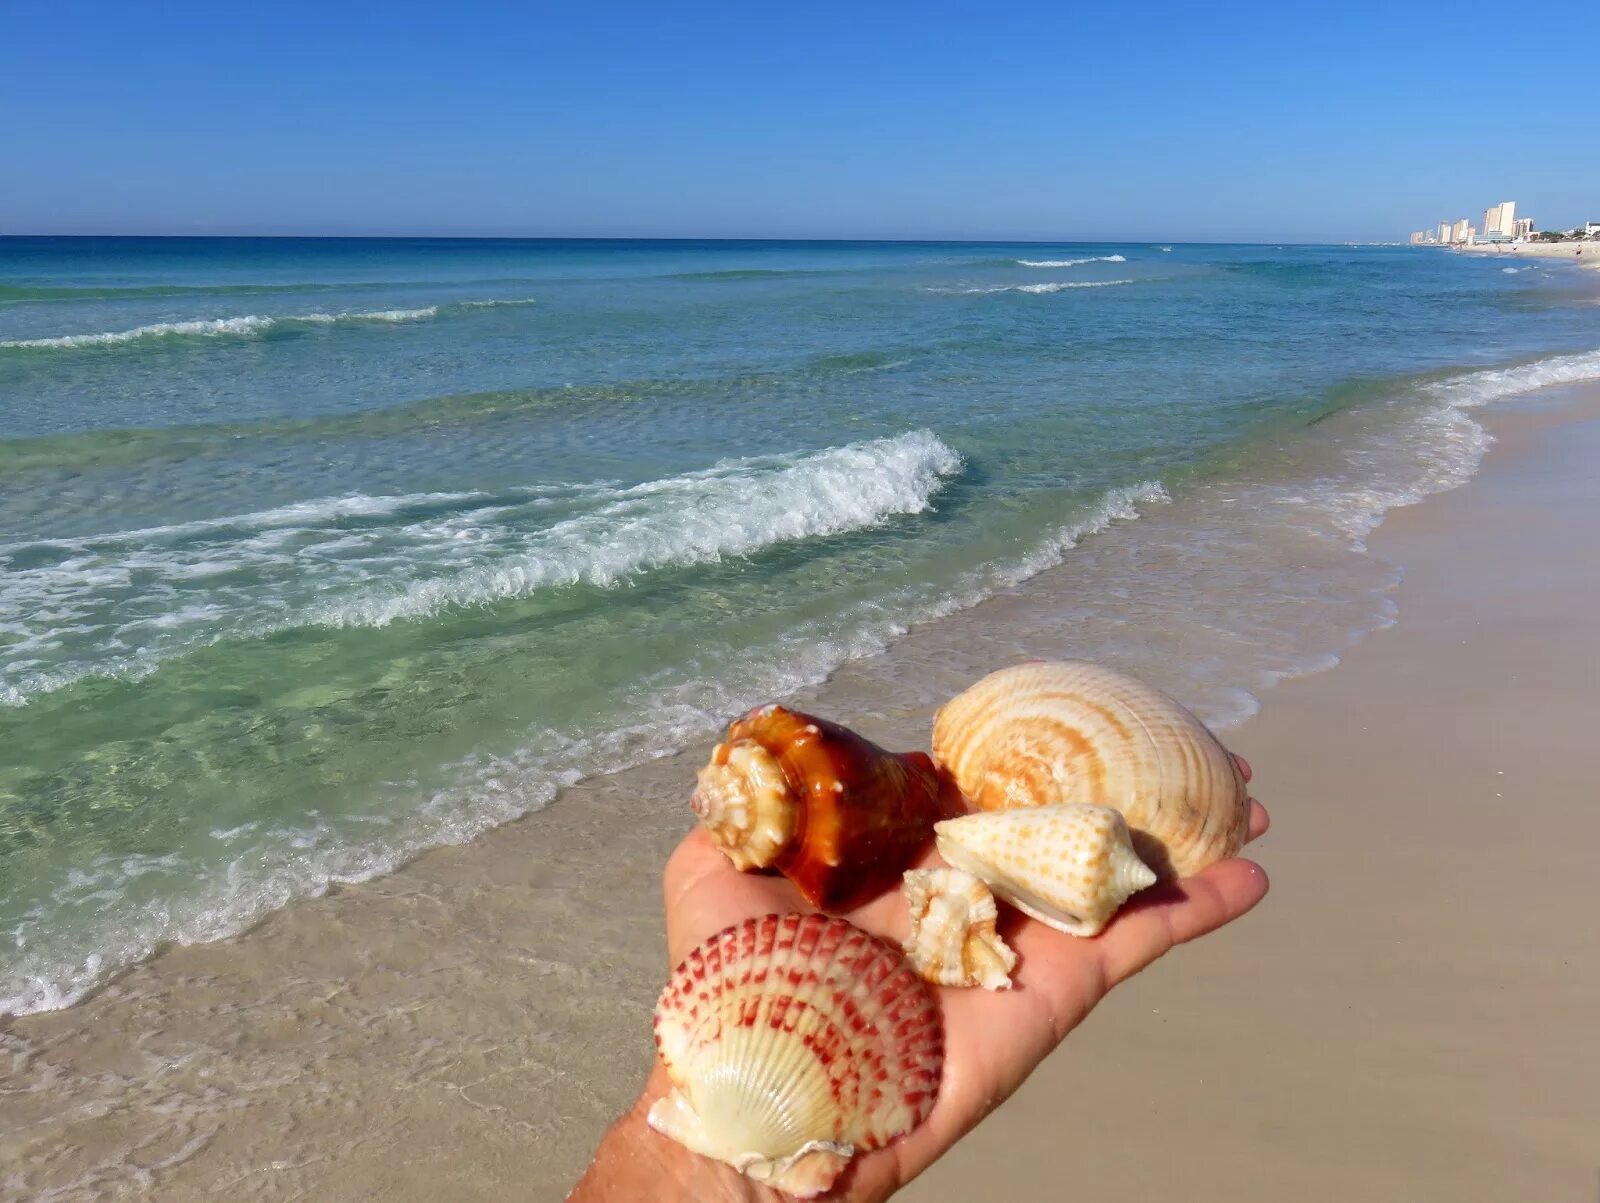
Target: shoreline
x=1586, y=255
x=353, y=1027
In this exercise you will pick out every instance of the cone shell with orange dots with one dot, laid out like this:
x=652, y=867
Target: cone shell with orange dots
x=1069, y=866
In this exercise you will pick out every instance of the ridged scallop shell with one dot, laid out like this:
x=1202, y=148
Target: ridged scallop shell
x=1044, y=733
x=1070, y=866
x=833, y=812
x=793, y=1042
x=953, y=941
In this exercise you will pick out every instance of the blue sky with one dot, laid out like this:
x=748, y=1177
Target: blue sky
x=1244, y=121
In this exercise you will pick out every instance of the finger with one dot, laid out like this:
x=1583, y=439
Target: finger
x=691, y=860
x=704, y=893
x=1174, y=913
x=1244, y=767
x=1260, y=820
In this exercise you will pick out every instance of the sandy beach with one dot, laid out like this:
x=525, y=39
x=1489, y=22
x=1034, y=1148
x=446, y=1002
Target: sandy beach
x=1586, y=254
x=1406, y=1017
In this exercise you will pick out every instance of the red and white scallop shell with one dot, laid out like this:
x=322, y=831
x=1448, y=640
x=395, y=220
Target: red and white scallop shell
x=794, y=1042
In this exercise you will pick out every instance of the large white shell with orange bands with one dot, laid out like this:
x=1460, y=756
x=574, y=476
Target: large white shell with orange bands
x=793, y=1042
x=1045, y=733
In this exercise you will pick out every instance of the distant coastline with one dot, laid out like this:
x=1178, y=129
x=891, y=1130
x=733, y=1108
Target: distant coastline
x=1570, y=249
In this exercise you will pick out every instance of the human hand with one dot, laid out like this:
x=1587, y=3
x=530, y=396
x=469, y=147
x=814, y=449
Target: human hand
x=1058, y=981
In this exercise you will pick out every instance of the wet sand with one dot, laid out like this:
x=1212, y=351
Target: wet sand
x=1408, y=1016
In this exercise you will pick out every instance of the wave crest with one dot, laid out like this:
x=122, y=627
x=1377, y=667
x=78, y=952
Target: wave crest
x=1036, y=289
x=1071, y=262
x=334, y=562
x=247, y=326
x=1492, y=384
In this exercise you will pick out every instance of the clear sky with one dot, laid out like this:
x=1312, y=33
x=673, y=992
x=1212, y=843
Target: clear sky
x=1007, y=119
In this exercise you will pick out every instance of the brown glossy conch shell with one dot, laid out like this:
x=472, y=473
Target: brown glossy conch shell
x=833, y=812
x=1045, y=733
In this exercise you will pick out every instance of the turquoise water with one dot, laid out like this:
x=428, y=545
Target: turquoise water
x=314, y=553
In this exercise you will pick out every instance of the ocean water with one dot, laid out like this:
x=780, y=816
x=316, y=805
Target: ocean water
x=316, y=553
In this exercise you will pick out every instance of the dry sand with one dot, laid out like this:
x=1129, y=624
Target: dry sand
x=1411, y=1015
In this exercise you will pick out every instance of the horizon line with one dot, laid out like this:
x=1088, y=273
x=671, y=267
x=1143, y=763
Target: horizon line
x=727, y=238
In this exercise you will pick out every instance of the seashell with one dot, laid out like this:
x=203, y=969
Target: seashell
x=794, y=1042
x=834, y=813
x=1070, y=866
x=1043, y=733
x=953, y=941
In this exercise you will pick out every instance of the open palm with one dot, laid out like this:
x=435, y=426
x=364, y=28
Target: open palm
x=1058, y=981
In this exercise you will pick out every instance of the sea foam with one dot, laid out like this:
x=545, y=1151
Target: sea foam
x=370, y=561
x=1491, y=384
x=247, y=326
x=1060, y=285
x=1071, y=262
x=1036, y=289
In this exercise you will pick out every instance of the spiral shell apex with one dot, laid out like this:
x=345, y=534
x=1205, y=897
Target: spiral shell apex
x=953, y=941
x=1069, y=866
x=794, y=1042
x=1045, y=733
x=833, y=812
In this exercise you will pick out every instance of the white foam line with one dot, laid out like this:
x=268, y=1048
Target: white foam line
x=237, y=327
x=1492, y=384
x=1054, y=286
x=308, y=574
x=691, y=520
x=1060, y=285
x=1071, y=262
x=299, y=513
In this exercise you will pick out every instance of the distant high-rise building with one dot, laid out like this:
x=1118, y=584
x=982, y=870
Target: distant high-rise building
x=1460, y=231
x=1418, y=236
x=1522, y=227
x=1444, y=232
x=1501, y=219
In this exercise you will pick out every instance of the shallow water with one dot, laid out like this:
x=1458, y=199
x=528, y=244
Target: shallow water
x=317, y=553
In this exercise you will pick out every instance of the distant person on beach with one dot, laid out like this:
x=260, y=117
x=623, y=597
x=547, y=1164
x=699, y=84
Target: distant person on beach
x=993, y=1041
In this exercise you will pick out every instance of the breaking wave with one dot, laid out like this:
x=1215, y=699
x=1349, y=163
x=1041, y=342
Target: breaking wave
x=253, y=325
x=369, y=561
x=247, y=326
x=1053, y=286
x=1492, y=384
x=1071, y=262
x=1060, y=285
